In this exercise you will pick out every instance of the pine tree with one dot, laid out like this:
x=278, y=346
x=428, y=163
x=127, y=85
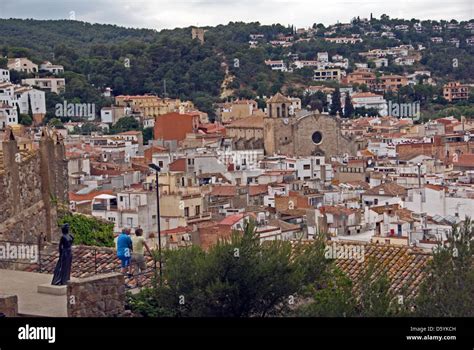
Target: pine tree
x=348, y=107
x=336, y=103
x=448, y=289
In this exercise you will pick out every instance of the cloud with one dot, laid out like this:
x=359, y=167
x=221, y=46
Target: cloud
x=160, y=14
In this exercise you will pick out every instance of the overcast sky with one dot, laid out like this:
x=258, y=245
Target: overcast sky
x=159, y=14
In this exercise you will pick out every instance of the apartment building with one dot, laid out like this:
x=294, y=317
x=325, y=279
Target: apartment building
x=55, y=85
x=327, y=74
x=455, y=91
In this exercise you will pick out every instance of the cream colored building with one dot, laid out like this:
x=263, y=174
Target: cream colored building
x=22, y=64
x=56, y=85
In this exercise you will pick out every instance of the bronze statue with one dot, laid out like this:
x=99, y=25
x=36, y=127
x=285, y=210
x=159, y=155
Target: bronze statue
x=62, y=272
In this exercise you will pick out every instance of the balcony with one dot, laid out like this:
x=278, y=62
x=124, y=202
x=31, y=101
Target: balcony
x=200, y=217
x=103, y=207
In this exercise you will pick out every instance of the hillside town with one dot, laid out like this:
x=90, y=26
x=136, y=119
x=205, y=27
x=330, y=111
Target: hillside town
x=343, y=157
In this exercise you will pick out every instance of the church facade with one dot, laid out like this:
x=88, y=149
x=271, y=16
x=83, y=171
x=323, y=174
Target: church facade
x=286, y=132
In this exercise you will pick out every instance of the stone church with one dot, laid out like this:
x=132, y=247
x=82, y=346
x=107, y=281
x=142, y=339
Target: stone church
x=303, y=134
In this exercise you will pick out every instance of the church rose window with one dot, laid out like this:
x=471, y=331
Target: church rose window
x=317, y=137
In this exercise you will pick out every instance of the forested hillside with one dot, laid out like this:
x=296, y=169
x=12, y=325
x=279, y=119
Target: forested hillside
x=138, y=61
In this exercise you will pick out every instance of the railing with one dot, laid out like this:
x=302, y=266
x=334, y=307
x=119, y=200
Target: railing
x=42, y=256
x=99, y=207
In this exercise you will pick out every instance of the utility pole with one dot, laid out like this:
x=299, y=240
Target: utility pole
x=157, y=170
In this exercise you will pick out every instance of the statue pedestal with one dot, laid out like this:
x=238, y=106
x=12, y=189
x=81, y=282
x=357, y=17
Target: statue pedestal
x=52, y=290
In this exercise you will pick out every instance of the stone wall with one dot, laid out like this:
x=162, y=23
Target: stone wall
x=32, y=185
x=9, y=305
x=97, y=296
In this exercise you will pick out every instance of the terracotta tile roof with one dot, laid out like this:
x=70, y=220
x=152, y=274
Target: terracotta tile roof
x=365, y=94
x=466, y=160
x=88, y=261
x=257, y=189
x=279, y=98
x=181, y=229
x=178, y=165
x=89, y=196
x=387, y=189
x=381, y=208
x=283, y=225
x=405, y=266
x=224, y=191
x=232, y=219
x=334, y=210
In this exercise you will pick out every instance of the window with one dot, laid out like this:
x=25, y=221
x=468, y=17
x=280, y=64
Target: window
x=186, y=211
x=160, y=164
x=376, y=201
x=198, y=210
x=317, y=137
x=306, y=167
x=130, y=222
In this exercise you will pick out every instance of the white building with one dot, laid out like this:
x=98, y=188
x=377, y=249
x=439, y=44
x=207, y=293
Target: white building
x=323, y=57
x=303, y=64
x=54, y=69
x=132, y=209
x=370, y=100
x=439, y=200
x=56, y=85
x=278, y=65
x=4, y=75
x=380, y=62
x=34, y=96
x=8, y=116
x=20, y=97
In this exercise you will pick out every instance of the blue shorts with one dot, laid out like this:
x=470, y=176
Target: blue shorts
x=125, y=260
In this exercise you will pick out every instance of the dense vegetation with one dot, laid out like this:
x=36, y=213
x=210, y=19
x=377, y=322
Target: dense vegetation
x=244, y=278
x=169, y=63
x=88, y=230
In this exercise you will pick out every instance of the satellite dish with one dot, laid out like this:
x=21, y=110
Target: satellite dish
x=285, y=121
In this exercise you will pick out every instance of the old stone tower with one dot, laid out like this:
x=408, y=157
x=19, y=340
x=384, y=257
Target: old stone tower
x=33, y=184
x=296, y=134
x=198, y=33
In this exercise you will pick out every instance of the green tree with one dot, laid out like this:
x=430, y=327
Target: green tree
x=376, y=299
x=147, y=135
x=237, y=278
x=25, y=119
x=88, y=230
x=348, y=107
x=56, y=123
x=448, y=289
x=336, y=103
x=125, y=124
x=334, y=299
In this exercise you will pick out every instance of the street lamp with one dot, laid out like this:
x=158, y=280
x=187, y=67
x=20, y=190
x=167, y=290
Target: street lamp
x=157, y=170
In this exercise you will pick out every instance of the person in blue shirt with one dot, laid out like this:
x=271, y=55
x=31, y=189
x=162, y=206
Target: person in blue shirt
x=124, y=250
